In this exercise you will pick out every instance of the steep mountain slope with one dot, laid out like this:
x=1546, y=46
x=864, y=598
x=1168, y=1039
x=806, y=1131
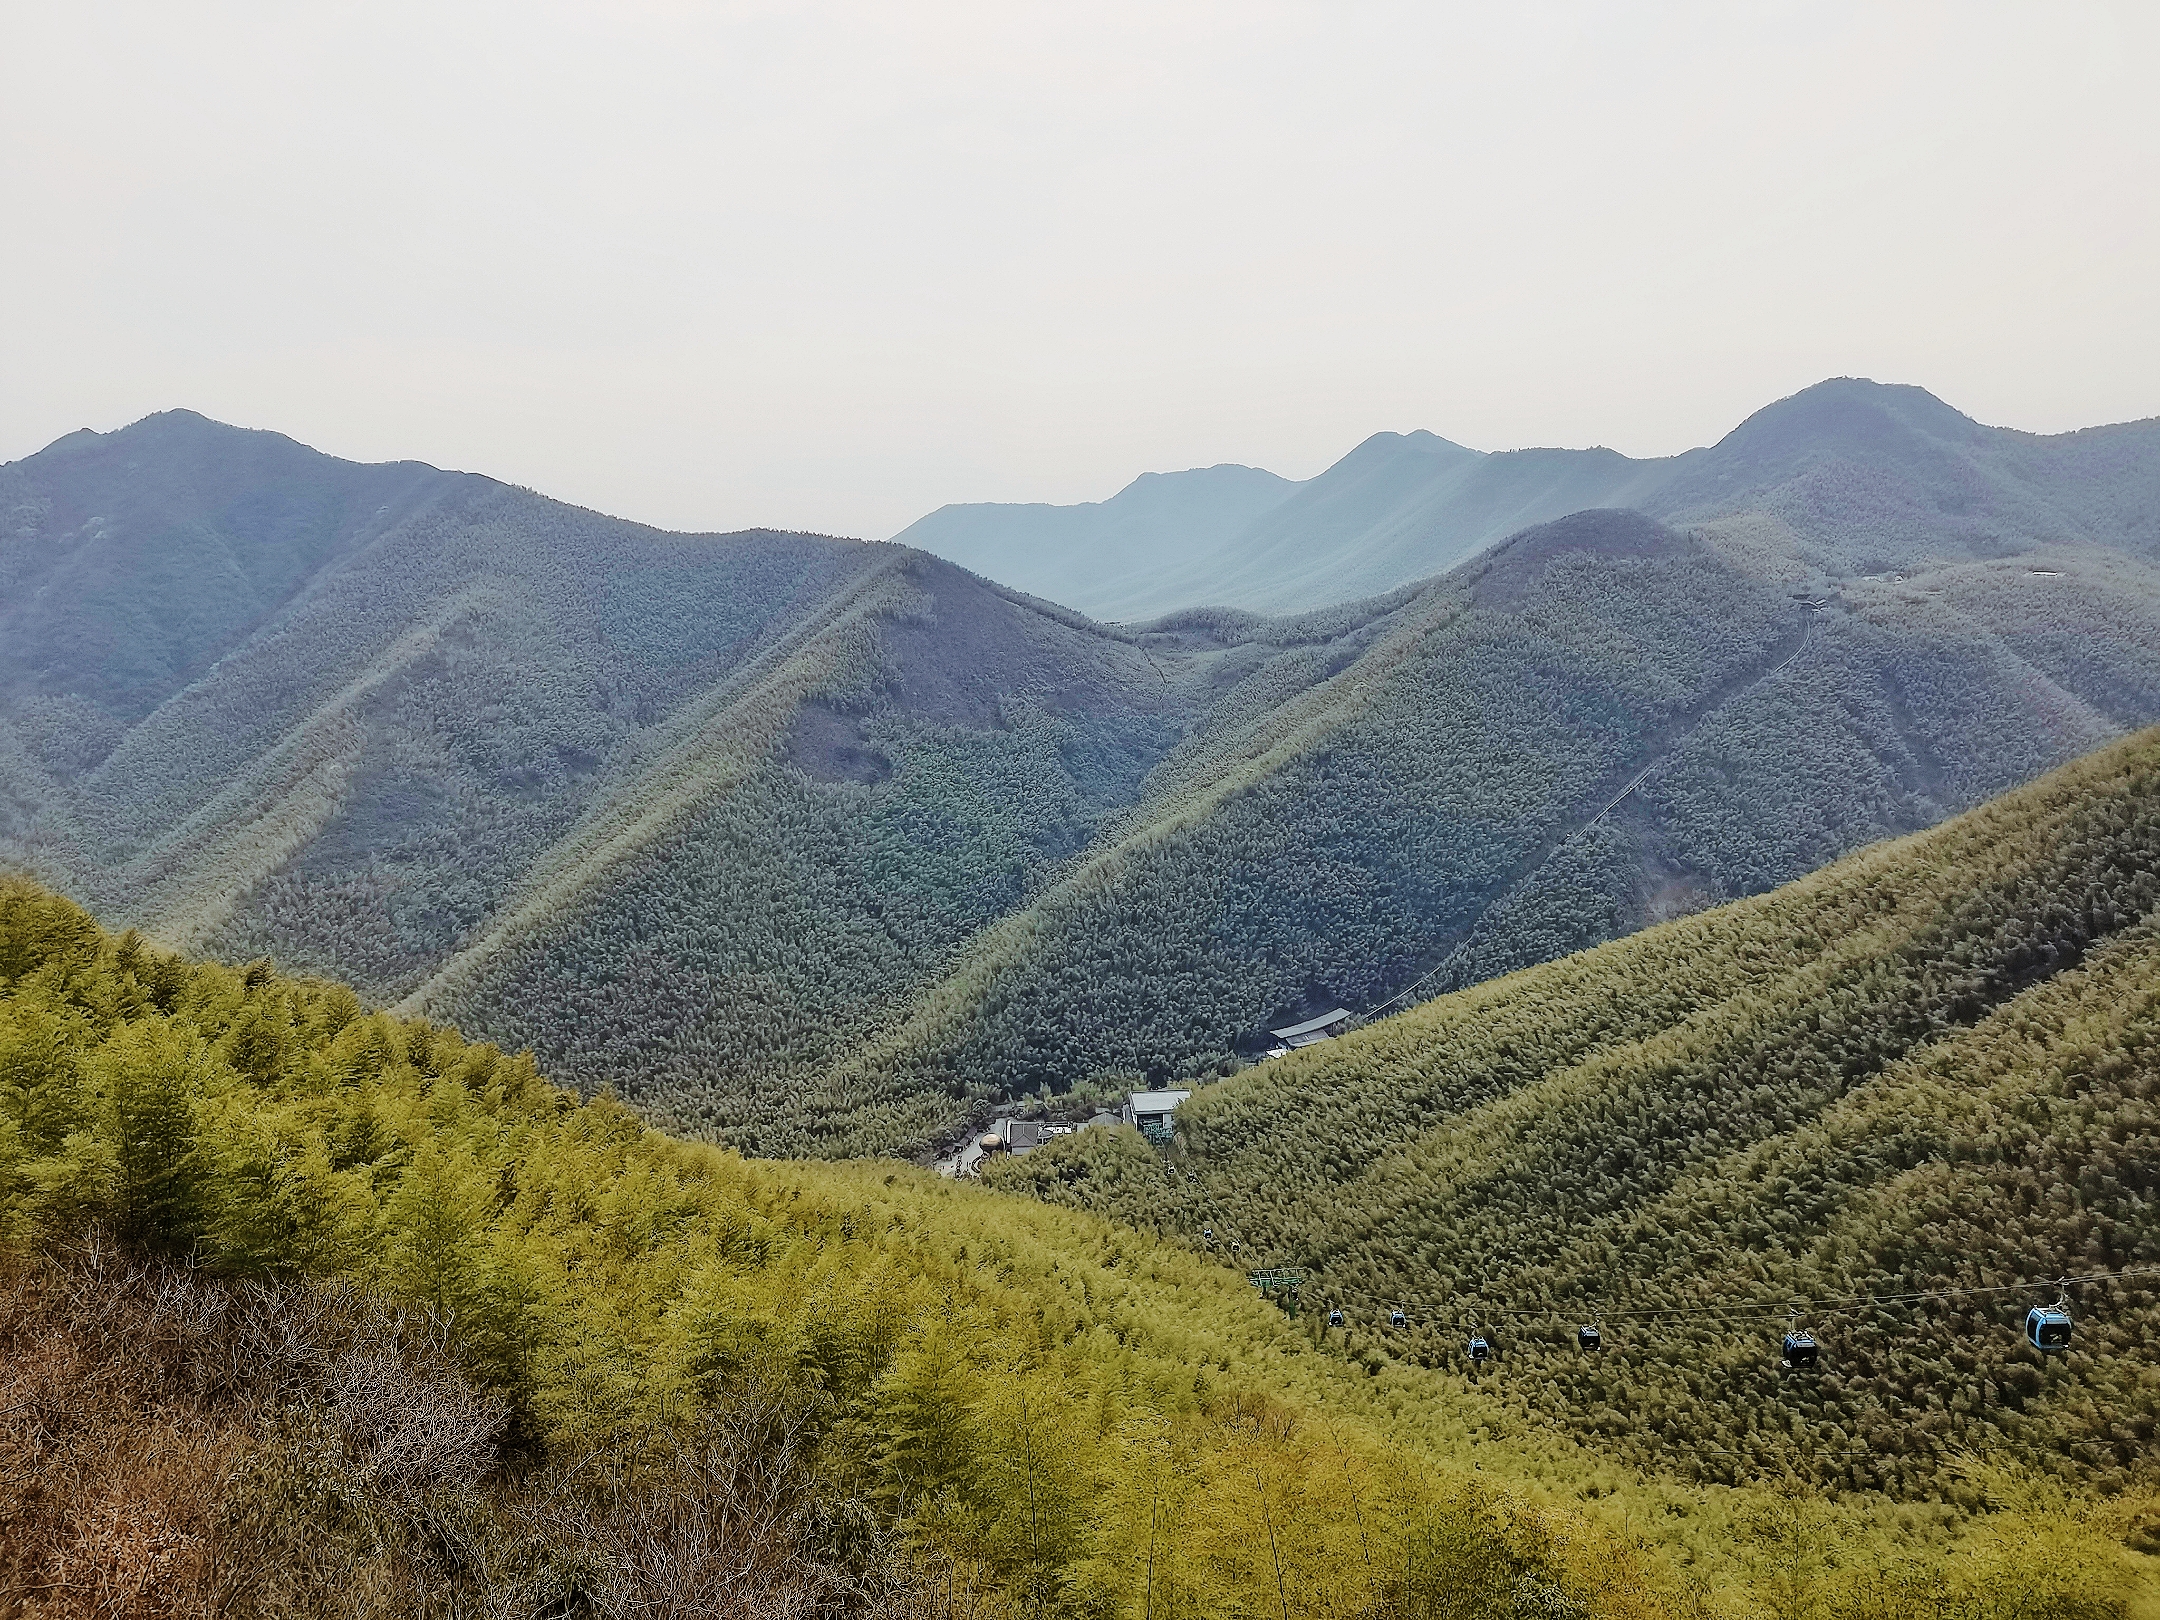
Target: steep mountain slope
x=1103, y=557
x=1852, y=476
x=130, y=563
x=453, y=670
x=1868, y=478
x=1932, y=1067
x=810, y=1386
x=1600, y=724
x=814, y=844
x=449, y=719
x=445, y=1341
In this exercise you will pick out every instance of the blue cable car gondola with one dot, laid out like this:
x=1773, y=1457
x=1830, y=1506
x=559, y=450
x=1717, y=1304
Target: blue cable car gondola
x=1800, y=1349
x=1334, y=1318
x=1398, y=1318
x=2047, y=1327
x=1587, y=1337
x=1480, y=1349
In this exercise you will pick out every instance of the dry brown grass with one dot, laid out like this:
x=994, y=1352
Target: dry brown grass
x=174, y=1444
x=110, y=1475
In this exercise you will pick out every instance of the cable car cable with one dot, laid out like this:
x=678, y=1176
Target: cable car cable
x=1836, y=1305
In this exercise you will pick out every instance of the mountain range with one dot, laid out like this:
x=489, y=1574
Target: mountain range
x=1750, y=921
x=817, y=845
x=1849, y=473
x=1108, y=555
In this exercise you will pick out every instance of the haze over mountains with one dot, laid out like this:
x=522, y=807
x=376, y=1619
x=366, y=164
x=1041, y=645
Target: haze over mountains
x=1109, y=555
x=808, y=842
x=1848, y=461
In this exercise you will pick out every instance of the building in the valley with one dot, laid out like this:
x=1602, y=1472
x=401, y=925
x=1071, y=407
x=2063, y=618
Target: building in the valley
x=1023, y=1135
x=1324, y=1028
x=1006, y=1135
x=1153, y=1112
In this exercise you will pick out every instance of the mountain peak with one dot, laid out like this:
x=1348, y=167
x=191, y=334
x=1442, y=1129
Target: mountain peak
x=177, y=431
x=1851, y=413
x=1418, y=441
x=1223, y=476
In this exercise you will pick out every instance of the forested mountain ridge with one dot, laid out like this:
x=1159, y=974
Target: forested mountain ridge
x=1599, y=724
x=1870, y=478
x=130, y=563
x=814, y=844
x=1856, y=476
x=1933, y=1066
x=309, y=1310
x=460, y=667
x=509, y=661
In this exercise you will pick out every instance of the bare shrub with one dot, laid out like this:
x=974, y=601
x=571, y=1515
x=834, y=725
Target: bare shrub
x=719, y=1517
x=175, y=1444
x=164, y=1432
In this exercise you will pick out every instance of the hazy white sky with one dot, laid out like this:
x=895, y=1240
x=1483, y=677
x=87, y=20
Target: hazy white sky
x=830, y=265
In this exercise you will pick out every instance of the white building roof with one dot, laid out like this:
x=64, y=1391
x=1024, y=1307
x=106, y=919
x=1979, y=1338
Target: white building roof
x=1311, y=1026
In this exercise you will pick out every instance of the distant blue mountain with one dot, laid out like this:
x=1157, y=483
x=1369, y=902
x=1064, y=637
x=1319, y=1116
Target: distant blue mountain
x=1852, y=474
x=1105, y=556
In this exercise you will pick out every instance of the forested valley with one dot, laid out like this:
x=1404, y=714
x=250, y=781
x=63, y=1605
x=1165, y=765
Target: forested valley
x=313, y=1310
x=1892, y=1104
x=430, y=849
x=818, y=847
x=1151, y=812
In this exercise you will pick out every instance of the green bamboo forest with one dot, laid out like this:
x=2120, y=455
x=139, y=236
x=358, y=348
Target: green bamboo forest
x=493, y=996
x=1931, y=1067
x=315, y=1310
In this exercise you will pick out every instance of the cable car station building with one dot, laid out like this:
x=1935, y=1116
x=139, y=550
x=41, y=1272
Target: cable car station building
x=1153, y=1112
x=1314, y=1030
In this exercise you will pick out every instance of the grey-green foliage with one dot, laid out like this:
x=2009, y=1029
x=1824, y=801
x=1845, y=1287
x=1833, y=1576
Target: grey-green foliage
x=1436, y=830
x=130, y=563
x=1349, y=867
x=976, y=844
x=1440, y=833
x=1869, y=478
x=470, y=661
x=839, y=899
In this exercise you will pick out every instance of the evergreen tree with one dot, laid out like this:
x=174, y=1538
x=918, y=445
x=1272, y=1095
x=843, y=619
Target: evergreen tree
x=151, y=1075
